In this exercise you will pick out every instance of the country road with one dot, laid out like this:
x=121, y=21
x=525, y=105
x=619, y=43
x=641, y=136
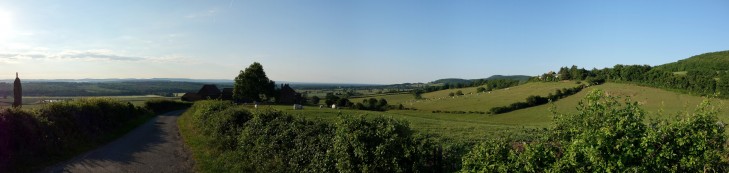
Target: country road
x=155, y=146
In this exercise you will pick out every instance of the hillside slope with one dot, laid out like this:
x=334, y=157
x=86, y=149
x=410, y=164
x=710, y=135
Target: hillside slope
x=471, y=100
x=653, y=100
x=718, y=61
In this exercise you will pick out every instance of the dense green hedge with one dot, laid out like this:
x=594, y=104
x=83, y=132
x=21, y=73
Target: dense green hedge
x=29, y=139
x=159, y=106
x=272, y=141
x=607, y=136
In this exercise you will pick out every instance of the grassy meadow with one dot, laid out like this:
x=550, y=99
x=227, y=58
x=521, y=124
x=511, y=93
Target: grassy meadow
x=471, y=100
x=35, y=102
x=657, y=103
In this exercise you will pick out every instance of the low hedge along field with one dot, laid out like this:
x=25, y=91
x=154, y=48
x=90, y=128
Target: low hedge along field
x=605, y=136
x=229, y=138
x=31, y=139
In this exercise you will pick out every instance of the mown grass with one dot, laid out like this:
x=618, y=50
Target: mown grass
x=460, y=128
x=473, y=101
x=475, y=127
x=658, y=103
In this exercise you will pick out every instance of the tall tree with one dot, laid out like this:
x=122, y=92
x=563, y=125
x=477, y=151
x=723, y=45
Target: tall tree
x=252, y=83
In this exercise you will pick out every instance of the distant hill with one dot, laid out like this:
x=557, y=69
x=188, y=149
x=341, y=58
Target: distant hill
x=452, y=81
x=468, y=81
x=718, y=61
x=514, y=77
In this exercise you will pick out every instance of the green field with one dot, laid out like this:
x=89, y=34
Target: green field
x=34, y=102
x=473, y=101
x=476, y=127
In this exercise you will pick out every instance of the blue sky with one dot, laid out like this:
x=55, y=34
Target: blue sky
x=348, y=41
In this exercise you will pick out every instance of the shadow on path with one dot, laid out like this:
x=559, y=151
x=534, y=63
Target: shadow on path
x=155, y=146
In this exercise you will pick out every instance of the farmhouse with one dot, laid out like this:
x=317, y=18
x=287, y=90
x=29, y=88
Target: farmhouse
x=288, y=95
x=209, y=92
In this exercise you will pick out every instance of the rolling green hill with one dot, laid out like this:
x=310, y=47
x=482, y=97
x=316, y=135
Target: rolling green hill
x=475, y=127
x=717, y=61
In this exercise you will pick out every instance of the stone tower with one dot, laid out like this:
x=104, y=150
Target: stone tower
x=17, y=92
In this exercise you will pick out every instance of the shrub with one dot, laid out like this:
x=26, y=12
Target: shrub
x=271, y=141
x=607, y=136
x=56, y=130
x=225, y=126
x=381, y=145
x=21, y=138
x=202, y=110
x=275, y=142
x=159, y=106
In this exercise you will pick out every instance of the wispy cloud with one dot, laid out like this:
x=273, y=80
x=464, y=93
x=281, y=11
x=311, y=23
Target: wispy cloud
x=94, y=55
x=87, y=55
x=201, y=14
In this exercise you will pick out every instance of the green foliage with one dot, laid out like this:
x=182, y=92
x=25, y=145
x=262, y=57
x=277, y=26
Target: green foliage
x=489, y=156
x=271, y=141
x=59, y=129
x=715, y=61
x=689, y=143
x=702, y=75
x=533, y=100
x=480, y=89
x=159, y=106
x=602, y=137
x=275, y=142
x=607, y=136
x=418, y=93
x=380, y=145
x=252, y=82
x=315, y=100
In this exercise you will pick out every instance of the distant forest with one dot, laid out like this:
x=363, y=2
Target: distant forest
x=163, y=88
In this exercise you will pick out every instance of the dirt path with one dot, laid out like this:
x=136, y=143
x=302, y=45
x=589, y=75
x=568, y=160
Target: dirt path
x=155, y=146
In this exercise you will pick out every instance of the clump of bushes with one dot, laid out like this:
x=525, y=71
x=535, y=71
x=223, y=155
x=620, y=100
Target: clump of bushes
x=532, y=101
x=458, y=112
x=607, y=136
x=272, y=141
x=373, y=105
x=159, y=106
x=57, y=130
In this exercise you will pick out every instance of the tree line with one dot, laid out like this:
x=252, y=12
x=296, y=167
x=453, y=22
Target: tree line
x=483, y=84
x=694, y=81
x=533, y=100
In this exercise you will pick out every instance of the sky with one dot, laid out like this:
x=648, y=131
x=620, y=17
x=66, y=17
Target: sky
x=348, y=41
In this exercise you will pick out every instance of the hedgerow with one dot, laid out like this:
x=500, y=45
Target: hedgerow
x=159, y=106
x=607, y=136
x=272, y=141
x=31, y=138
